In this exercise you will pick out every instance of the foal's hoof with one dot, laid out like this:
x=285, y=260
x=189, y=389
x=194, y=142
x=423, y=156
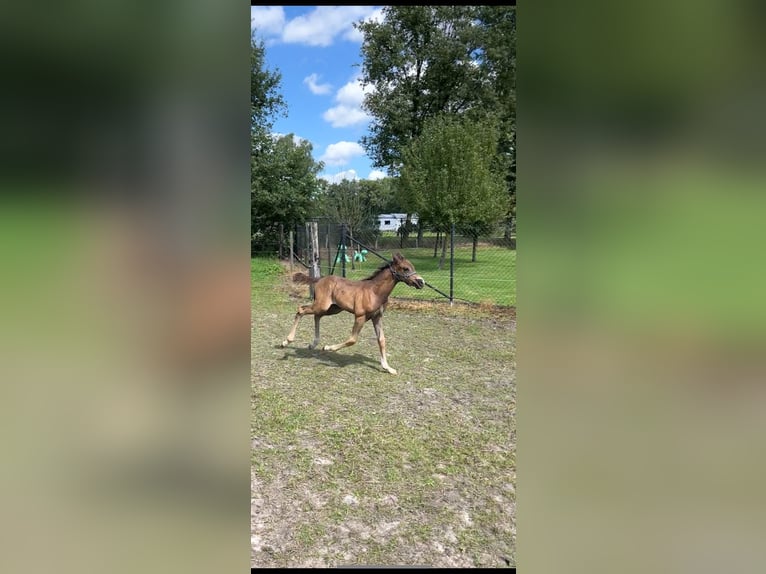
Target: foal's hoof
x=285, y=343
x=392, y=371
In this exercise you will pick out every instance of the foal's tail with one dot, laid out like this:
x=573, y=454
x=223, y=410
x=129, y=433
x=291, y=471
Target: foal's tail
x=304, y=279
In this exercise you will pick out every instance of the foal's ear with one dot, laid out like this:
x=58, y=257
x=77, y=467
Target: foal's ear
x=398, y=257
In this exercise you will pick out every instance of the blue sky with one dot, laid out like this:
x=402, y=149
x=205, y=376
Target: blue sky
x=317, y=51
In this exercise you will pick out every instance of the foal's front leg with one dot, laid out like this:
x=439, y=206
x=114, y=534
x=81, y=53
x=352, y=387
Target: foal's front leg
x=378, y=325
x=302, y=310
x=358, y=324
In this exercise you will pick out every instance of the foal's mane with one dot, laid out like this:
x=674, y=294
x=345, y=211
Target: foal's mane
x=377, y=272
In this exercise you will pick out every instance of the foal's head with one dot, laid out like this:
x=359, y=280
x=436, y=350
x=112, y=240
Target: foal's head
x=404, y=271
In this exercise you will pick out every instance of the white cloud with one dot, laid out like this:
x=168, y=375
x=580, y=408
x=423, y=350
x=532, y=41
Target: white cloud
x=323, y=24
x=352, y=94
x=316, y=88
x=338, y=177
x=267, y=20
x=341, y=153
x=349, y=111
x=376, y=174
x=344, y=116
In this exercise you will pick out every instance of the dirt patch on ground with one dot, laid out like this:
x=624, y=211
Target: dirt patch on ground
x=353, y=466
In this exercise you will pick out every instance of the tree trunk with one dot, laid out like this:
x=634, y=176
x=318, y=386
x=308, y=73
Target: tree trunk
x=473, y=252
x=405, y=229
x=436, y=243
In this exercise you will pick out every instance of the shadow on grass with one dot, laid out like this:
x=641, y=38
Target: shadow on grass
x=330, y=358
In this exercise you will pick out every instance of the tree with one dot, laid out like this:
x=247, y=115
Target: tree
x=283, y=172
x=265, y=99
x=380, y=192
x=356, y=203
x=496, y=34
x=453, y=176
x=344, y=203
x=420, y=61
x=284, y=186
x=423, y=61
x=265, y=103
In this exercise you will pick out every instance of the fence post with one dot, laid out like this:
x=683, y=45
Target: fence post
x=451, y=263
x=343, y=250
x=313, y=229
x=291, y=252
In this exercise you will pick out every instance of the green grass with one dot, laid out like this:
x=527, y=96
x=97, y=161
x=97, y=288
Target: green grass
x=356, y=466
x=263, y=274
x=676, y=253
x=490, y=279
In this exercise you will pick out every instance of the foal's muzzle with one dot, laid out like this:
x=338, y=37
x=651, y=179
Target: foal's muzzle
x=419, y=283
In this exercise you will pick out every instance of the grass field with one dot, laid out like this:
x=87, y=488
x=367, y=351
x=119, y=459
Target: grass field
x=491, y=279
x=353, y=466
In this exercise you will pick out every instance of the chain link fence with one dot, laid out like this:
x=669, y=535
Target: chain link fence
x=471, y=266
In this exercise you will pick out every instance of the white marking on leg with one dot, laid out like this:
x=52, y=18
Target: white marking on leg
x=291, y=336
x=315, y=342
x=378, y=325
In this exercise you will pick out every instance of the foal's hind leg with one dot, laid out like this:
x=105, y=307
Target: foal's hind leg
x=378, y=325
x=315, y=342
x=333, y=310
x=358, y=324
x=302, y=310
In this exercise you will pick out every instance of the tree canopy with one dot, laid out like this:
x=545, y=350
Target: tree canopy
x=428, y=61
x=452, y=175
x=443, y=107
x=284, y=186
x=283, y=173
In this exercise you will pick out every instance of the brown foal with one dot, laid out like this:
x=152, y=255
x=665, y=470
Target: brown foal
x=365, y=298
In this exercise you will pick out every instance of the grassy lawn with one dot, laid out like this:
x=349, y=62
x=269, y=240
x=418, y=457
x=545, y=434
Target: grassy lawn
x=264, y=273
x=490, y=279
x=353, y=466
x=676, y=255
